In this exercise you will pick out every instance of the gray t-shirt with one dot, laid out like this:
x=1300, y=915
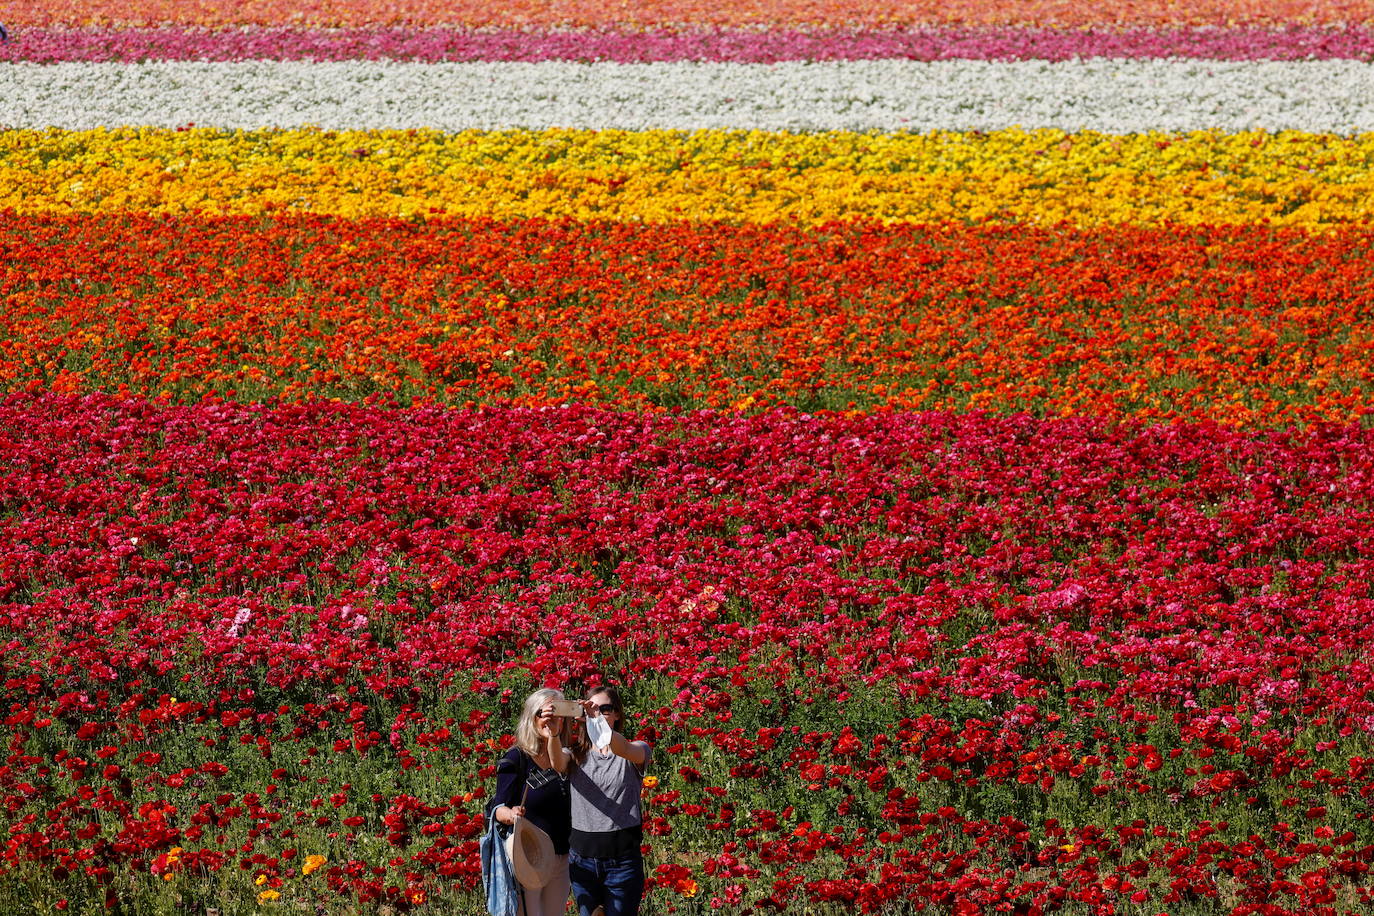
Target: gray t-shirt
x=605, y=793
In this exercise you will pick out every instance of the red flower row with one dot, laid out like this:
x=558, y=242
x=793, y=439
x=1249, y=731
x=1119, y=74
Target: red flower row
x=901, y=660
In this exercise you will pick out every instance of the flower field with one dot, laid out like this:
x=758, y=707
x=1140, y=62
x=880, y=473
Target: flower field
x=949, y=422
x=1261, y=324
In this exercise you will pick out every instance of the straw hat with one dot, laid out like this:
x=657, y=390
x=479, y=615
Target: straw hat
x=531, y=854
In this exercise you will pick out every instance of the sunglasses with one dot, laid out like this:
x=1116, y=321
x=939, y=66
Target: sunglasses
x=607, y=709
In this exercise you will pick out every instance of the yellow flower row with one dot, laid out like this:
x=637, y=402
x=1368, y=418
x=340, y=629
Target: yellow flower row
x=1047, y=176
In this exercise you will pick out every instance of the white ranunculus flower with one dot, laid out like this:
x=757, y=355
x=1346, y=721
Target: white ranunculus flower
x=1117, y=96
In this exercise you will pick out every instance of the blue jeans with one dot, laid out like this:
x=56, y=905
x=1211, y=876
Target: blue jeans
x=616, y=884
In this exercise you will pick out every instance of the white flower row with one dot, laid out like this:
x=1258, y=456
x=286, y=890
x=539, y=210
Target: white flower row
x=1113, y=96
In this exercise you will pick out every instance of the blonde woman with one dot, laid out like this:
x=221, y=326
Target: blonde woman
x=532, y=782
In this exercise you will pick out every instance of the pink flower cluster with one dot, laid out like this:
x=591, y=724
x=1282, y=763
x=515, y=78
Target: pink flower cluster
x=724, y=44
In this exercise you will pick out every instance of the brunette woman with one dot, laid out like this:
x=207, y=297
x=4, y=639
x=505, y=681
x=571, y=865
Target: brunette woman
x=606, y=864
x=532, y=782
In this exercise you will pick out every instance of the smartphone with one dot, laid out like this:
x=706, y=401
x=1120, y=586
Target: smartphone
x=567, y=708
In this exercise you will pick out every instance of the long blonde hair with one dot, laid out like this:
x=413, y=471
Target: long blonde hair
x=526, y=737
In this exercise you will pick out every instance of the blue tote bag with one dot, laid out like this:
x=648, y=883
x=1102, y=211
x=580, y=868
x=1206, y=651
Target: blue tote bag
x=498, y=878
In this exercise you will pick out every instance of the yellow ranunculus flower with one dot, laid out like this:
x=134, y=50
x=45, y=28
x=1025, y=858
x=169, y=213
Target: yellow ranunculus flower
x=1039, y=176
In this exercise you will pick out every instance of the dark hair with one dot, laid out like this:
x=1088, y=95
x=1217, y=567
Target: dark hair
x=616, y=701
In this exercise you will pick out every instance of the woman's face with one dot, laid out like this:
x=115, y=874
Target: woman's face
x=604, y=702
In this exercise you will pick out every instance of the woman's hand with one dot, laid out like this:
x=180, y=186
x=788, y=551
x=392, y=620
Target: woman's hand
x=511, y=813
x=591, y=709
x=553, y=743
x=544, y=723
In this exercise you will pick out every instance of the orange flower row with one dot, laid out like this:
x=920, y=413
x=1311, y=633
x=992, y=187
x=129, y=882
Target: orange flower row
x=1247, y=325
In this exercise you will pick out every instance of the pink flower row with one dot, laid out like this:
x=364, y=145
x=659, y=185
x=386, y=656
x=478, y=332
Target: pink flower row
x=760, y=14
x=730, y=44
